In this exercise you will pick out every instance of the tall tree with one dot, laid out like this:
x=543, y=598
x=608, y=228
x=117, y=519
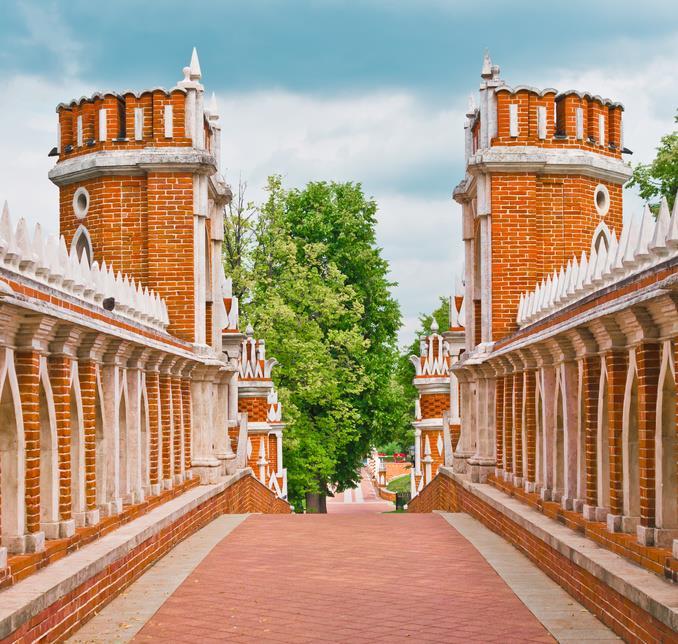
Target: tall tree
x=659, y=178
x=321, y=298
x=239, y=228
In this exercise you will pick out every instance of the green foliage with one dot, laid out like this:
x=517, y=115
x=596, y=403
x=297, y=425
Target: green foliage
x=400, y=484
x=239, y=223
x=659, y=178
x=321, y=299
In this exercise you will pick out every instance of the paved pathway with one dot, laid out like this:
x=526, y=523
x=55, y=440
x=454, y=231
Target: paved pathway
x=349, y=576
x=361, y=499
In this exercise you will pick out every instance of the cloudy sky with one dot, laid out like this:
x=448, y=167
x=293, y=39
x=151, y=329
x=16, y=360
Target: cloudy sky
x=363, y=90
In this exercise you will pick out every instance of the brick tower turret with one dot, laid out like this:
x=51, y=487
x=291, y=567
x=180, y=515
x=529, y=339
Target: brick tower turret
x=544, y=175
x=140, y=189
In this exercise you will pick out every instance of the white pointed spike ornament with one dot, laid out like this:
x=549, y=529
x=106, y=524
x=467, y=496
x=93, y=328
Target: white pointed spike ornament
x=672, y=232
x=661, y=229
x=618, y=262
x=590, y=269
x=647, y=225
x=196, y=74
x=5, y=230
x=628, y=259
x=572, y=287
x=583, y=269
x=601, y=260
x=608, y=272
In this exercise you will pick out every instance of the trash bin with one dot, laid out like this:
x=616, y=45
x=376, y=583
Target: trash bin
x=401, y=500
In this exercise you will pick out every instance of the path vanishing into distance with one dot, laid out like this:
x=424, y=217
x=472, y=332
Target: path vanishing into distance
x=361, y=573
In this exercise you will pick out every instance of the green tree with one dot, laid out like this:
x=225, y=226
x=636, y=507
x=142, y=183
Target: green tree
x=321, y=299
x=659, y=178
x=239, y=228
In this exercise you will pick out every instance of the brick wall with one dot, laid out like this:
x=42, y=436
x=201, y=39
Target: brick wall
x=538, y=223
x=256, y=409
x=433, y=405
x=62, y=618
x=624, y=617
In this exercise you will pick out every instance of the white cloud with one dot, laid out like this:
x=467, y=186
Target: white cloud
x=390, y=141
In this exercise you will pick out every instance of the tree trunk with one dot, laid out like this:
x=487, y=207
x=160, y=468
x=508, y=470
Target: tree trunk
x=312, y=503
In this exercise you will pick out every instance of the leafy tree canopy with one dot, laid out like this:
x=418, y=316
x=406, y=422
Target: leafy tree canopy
x=659, y=178
x=319, y=294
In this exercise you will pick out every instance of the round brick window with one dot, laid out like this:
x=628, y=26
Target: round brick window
x=601, y=199
x=81, y=203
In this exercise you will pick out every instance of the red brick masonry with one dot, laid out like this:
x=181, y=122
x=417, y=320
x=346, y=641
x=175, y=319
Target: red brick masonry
x=624, y=617
x=63, y=617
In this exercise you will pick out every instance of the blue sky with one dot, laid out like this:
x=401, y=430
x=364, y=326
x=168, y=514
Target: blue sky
x=372, y=91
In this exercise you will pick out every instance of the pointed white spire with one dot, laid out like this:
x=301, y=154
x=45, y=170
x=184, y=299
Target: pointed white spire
x=672, y=232
x=434, y=326
x=644, y=235
x=213, y=108
x=194, y=66
x=486, y=71
x=661, y=229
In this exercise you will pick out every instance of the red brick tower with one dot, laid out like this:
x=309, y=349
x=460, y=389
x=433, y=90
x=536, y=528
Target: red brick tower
x=544, y=175
x=258, y=399
x=140, y=190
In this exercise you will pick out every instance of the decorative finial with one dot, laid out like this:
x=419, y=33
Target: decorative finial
x=196, y=74
x=187, y=74
x=470, y=110
x=213, y=108
x=487, y=66
x=434, y=326
x=249, y=331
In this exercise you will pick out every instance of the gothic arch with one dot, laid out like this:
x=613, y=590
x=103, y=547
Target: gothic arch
x=601, y=235
x=630, y=445
x=666, y=444
x=82, y=243
x=559, y=437
x=78, y=495
x=12, y=454
x=49, y=454
x=603, y=441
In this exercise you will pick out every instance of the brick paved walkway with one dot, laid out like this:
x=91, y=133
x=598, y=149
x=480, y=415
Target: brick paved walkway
x=345, y=577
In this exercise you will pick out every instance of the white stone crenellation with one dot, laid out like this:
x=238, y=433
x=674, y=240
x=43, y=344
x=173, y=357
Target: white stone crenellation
x=48, y=262
x=644, y=242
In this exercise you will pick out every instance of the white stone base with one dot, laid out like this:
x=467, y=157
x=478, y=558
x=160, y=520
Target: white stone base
x=664, y=538
x=3, y=558
x=675, y=548
x=66, y=528
x=614, y=522
x=51, y=529
x=545, y=494
x=530, y=487
x=156, y=488
x=167, y=484
x=92, y=517
x=645, y=535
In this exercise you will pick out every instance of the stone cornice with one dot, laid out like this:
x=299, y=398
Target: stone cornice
x=133, y=162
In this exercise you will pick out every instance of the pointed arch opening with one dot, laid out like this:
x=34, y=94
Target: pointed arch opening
x=12, y=451
x=49, y=457
x=82, y=243
x=123, y=444
x=603, y=443
x=666, y=445
x=78, y=498
x=559, y=442
x=630, y=444
x=100, y=447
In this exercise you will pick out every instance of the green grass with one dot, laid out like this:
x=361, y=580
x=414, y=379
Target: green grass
x=400, y=484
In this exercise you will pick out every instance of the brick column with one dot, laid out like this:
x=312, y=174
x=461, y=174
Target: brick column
x=648, y=361
x=616, y=362
x=499, y=416
x=59, y=367
x=530, y=427
x=178, y=429
x=166, y=416
x=188, y=429
x=154, y=427
x=518, y=426
x=87, y=375
x=508, y=424
x=28, y=377
x=590, y=393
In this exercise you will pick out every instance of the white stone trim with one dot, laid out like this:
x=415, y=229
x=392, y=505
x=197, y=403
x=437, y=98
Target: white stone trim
x=513, y=120
x=601, y=199
x=541, y=121
x=169, y=121
x=78, y=126
x=579, y=117
x=79, y=209
x=138, y=123
x=103, y=125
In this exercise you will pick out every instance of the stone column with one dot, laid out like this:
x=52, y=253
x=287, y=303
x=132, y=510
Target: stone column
x=204, y=461
x=483, y=460
x=186, y=410
x=570, y=386
x=178, y=429
x=549, y=420
x=467, y=439
x=530, y=428
x=87, y=375
x=508, y=428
